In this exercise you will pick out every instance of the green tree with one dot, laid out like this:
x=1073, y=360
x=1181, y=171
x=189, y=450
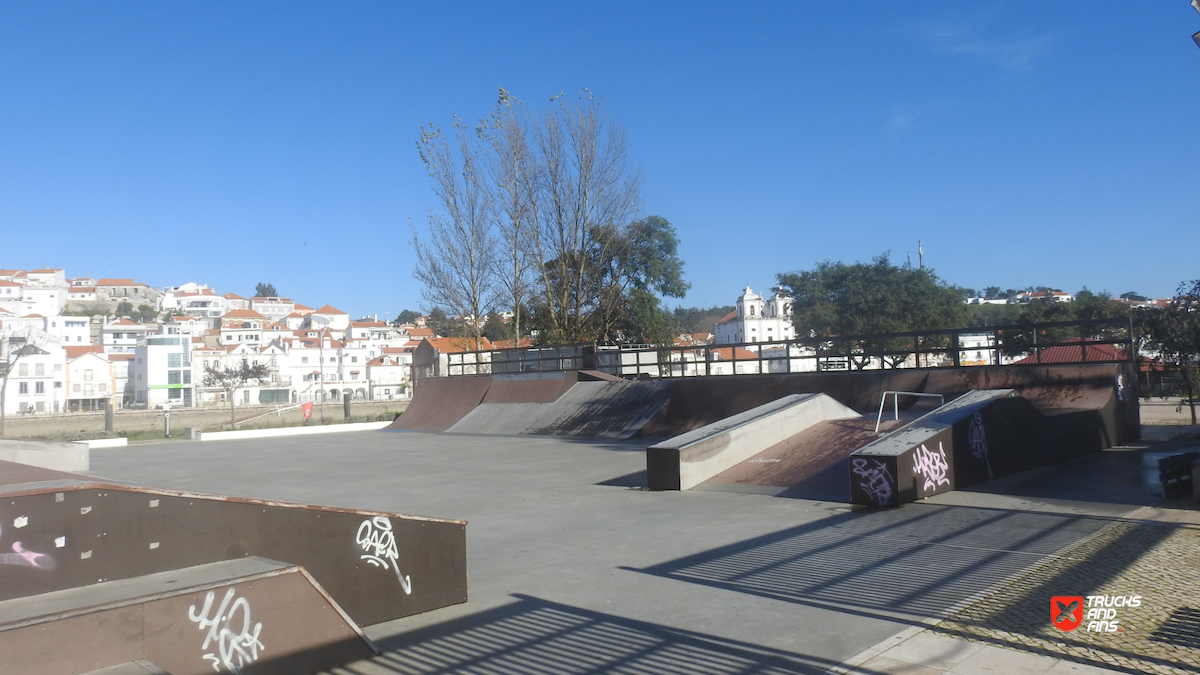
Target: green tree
x=445, y=326
x=497, y=328
x=836, y=299
x=125, y=308
x=1175, y=332
x=265, y=290
x=146, y=314
x=408, y=316
x=233, y=378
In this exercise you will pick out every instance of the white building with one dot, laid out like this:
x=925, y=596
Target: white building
x=162, y=372
x=90, y=382
x=122, y=336
x=35, y=382
x=756, y=320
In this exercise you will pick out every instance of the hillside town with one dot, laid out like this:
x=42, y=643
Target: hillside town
x=86, y=343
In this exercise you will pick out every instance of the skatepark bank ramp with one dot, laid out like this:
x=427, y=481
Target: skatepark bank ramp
x=86, y=553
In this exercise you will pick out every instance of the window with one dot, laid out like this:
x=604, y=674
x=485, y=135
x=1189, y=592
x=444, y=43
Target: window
x=76, y=388
x=353, y=359
x=23, y=370
x=174, y=394
x=23, y=388
x=39, y=387
x=173, y=377
x=174, y=360
x=332, y=359
x=39, y=369
x=58, y=367
x=58, y=385
x=303, y=359
x=87, y=375
x=87, y=390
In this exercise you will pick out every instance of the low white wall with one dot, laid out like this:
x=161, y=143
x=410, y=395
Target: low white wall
x=57, y=456
x=689, y=459
x=289, y=431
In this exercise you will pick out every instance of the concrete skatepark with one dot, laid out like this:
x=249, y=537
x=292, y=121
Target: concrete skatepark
x=574, y=566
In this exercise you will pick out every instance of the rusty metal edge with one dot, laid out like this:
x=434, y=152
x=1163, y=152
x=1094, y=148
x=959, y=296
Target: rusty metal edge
x=341, y=612
x=6, y=493
x=183, y=590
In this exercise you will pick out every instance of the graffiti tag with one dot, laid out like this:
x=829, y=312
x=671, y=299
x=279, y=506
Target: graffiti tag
x=379, y=545
x=877, y=481
x=22, y=557
x=932, y=466
x=230, y=628
x=977, y=437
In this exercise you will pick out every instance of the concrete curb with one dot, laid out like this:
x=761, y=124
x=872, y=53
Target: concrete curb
x=289, y=431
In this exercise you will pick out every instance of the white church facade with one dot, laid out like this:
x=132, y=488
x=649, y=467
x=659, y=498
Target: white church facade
x=756, y=320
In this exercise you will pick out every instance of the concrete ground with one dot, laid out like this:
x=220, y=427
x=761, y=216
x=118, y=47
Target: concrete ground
x=574, y=568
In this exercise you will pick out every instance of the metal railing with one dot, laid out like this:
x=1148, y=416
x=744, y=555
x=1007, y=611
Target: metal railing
x=1062, y=342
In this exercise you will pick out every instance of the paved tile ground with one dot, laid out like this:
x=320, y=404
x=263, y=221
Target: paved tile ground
x=1160, y=562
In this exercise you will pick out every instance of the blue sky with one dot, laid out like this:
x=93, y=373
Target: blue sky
x=1025, y=143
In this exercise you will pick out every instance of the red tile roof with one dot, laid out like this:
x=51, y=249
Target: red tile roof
x=1073, y=354
x=368, y=324
x=77, y=351
x=243, y=314
x=45, y=271
x=233, y=296
x=420, y=332
x=328, y=310
x=117, y=282
x=454, y=345
x=125, y=322
x=727, y=317
x=725, y=353
x=9, y=283
x=74, y=289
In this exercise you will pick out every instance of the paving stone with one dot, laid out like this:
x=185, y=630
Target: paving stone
x=1158, y=561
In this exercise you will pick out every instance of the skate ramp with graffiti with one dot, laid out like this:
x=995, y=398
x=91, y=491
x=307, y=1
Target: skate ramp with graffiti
x=978, y=436
x=682, y=462
x=75, y=546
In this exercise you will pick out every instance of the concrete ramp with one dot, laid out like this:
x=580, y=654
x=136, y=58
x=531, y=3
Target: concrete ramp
x=599, y=409
x=685, y=461
x=439, y=402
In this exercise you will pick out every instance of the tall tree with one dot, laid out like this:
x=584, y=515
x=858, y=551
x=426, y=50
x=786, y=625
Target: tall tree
x=514, y=175
x=456, y=263
x=836, y=299
x=265, y=290
x=585, y=189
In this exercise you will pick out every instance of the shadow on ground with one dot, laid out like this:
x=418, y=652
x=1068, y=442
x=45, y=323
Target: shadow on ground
x=909, y=563
x=534, y=636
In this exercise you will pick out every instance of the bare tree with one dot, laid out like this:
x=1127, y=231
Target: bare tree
x=513, y=174
x=234, y=378
x=585, y=192
x=457, y=262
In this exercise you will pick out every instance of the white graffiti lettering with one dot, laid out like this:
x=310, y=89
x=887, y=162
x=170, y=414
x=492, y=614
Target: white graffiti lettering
x=977, y=437
x=230, y=628
x=931, y=465
x=379, y=543
x=22, y=557
x=877, y=481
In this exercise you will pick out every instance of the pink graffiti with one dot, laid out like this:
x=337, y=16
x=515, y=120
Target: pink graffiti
x=26, y=558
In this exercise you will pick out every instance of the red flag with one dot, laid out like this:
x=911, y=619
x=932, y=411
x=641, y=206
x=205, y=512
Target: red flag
x=307, y=408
